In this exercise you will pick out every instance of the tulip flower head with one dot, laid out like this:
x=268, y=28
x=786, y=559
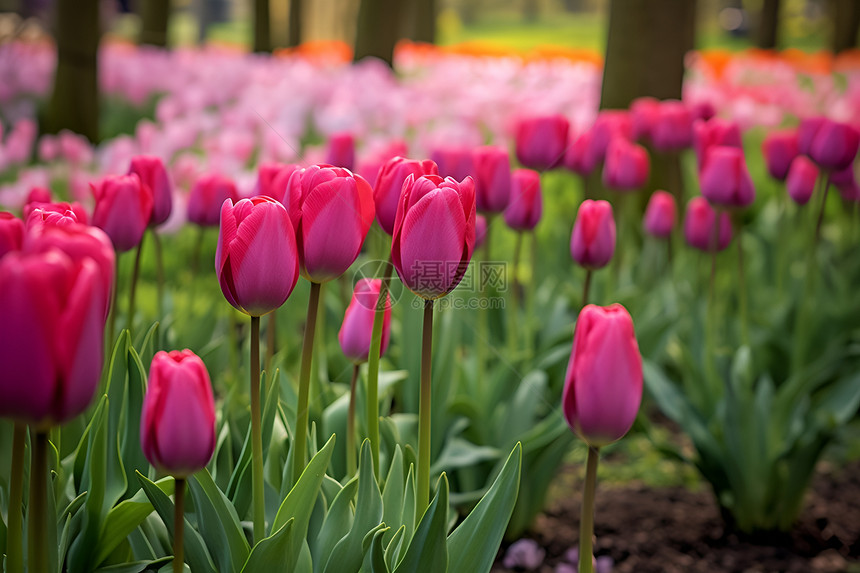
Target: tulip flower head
x=541, y=141
x=454, y=161
x=603, y=384
x=579, y=157
x=389, y=184
x=153, y=175
x=53, y=214
x=643, y=117
x=611, y=124
x=272, y=179
x=526, y=206
x=660, y=215
x=341, y=151
x=11, y=233
x=207, y=195
x=831, y=144
x=724, y=177
x=713, y=132
x=673, y=127
x=492, y=178
x=123, y=209
x=592, y=243
x=626, y=167
x=177, y=424
x=800, y=183
x=357, y=328
x=699, y=222
x=434, y=234
x=779, y=149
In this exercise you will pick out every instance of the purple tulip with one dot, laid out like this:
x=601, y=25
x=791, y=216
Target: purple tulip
x=673, y=128
x=724, y=178
x=831, y=144
x=541, y=141
x=626, y=167
x=699, y=222
x=592, y=243
x=207, y=195
x=492, y=178
x=779, y=149
x=800, y=183
x=526, y=206
x=456, y=162
x=660, y=214
x=341, y=151
x=713, y=132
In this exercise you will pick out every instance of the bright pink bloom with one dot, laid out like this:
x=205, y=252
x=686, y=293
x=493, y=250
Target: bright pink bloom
x=257, y=259
x=177, y=423
x=542, y=141
x=579, y=157
x=626, y=167
x=434, y=234
x=592, y=243
x=55, y=214
x=152, y=174
x=123, y=209
x=724, y=178
x=11, y=233
x=831, y=144
x=526, y=206
x=389, y=184
x=715, y=131
x=38, y=195
x=208, y=194
x=643, y=117
x=699, y=224
x=779, y=149
x=456, y=162
x=272, y=179
x=673, y=128
x=660, y=215
x=603, y=385
x=610, y=124
x=800, y=183
x=492, y=178
x=357, y=328
x=341, y=151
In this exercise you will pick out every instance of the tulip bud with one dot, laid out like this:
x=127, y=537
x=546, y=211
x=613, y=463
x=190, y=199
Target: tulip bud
x=257, y=258
x=779, y=149
x=492, y=179
x=603, y=384
x=177, y=423
x=626, y=167
x=831, y=144
x=357, y=328
x=724, y=178
x=480, y=230
x=11, y=233
x=673, y=127
x=800, y=183
x=152, y=174
x=123, y=210
x=592, y=243
x=208, y=194
x=389, y=184
x=699, y=224
x=660, y=214
x=715, y=131
x=434, y=234
x=541, y=141
x=52, y=312
x=456, y=162
x=341, y=151
x=332, y=211
x=526, y=206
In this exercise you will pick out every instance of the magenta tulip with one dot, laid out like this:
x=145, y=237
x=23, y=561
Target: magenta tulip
x=272, y=179
x=332, y=211
x=610, y=124
x=357, y=328
x=152, y=174
x=389, y=184
x=454, y=161
x=592, y=243
x=11, y=233
x=579, y=157
x=603, y=384
x=724, y=178
x=800, y=183
x=779, y=149
x=715, y=131
x=38, y=195
x=526, y=206
x=123, y=210
x=541, y=141
x=53, y=214
x=699, y=222
x=643, y=117
x=434, y=234
x=673, y=127
x=660, y=214
x=341, y=151
x=480, y=230
x=52, y=312
x=177, y=423
x=208, y=194
x=492, y=178
x=257, y=259
x=626, y=167
x=831, y=144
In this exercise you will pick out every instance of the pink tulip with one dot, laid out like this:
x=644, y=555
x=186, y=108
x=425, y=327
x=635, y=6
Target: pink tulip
x=626, y=167
x=480, y=230
x=38, y=195
x=660, y=214
x=257, y=259
x=341, y=151
x=673, y=128
x=831, y=144
x=11, y=233
x=152, y=174
x=526, y=206
x=207, y=195
x=579, y=157
x=610, y=124
x=434, y=234
x=331, y=210
x=715, y=131
x=603, y=384
x=123, y=209
x=779, y=149
x=389, y=184
x=272, y=179
x=592, y=243
x=492, y=178
x=643, y=117
x=699, y=224
x=541, y=141
x=800, y=183
x=724, y=178
x=52, y=312
x=357, y=328
x=456, y=162
x=177, y=423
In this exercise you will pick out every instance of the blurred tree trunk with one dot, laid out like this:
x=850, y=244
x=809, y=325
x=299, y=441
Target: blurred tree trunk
x=378, y=29
x=846, y=23
x=262, y=36
x=423, y=21
x=74, y=103
x=469, y=11
x=768, y=25
x=295, y=31
x=531, y=10
x=573, y=5
x=154, y=16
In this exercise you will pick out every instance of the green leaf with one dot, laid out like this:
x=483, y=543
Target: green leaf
x=392, y=494
x=374, y=553
x=336, y=525
x=135, y=567
x=219, y=525
x=475, y=542
x=428, y=549
x=271, y=553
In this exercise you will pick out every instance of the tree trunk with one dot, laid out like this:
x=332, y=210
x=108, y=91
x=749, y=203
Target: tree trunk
x=154, y=16
x=74, y=103
x=262, y=36
x=378, y=29
x=846, y=23
x=573, y=5
x=531, y=10
x=424, y=21
x=768, y=25
x=295, y=35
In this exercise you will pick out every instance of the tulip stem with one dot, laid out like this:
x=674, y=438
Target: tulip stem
x=586, y=522
x=422, y=496
x=15, y=527
x=373, y=367
x=301, y=431
x=518, y=295
x=159, y=274
x=257, y=491
x=271, y=339
x=113, y=310
x=135, y=271
x=586, y=287
x=825, y=179
x=350, y=424
x=37, y=559
x=742, y=290
x=179, y=525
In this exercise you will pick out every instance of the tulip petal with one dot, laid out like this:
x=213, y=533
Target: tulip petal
x=332, y=228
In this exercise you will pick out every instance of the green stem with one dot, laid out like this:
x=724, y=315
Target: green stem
x=483, y=335
x=113, y=310
x=530, y=299
x=825, y=178
x=179, y=526
x=257, y=490
x=518, y=295
x=271, y=339
x=15, y=528
x=37, y=519
x=304, y=383
x=350, y=425
x=133, y=287
x=586, y=287
x=422, y=496
x=586, y=523
x=742, y=290
x=159, y=273
x=373, y=358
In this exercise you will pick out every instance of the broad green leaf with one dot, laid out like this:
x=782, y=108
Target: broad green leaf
x=392, y=494
x=219, y=525
x=337, y=524
x=374, y=553
x=135, y=567
x=428, y=548
x=271, y=553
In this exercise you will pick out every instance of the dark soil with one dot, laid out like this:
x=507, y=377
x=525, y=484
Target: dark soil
x=669, y=530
